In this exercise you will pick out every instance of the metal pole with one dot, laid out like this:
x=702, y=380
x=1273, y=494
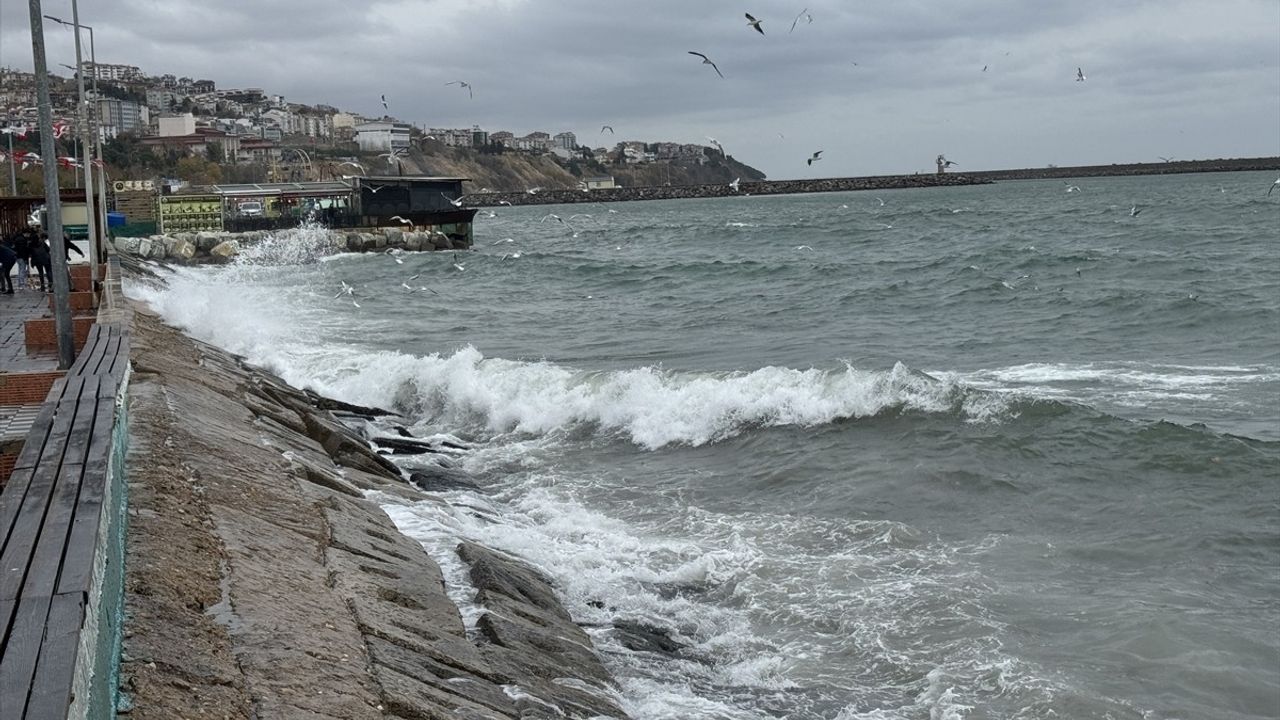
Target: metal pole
x=13, y=172
x=53, y=203
x=97, y=248
x=90, y=213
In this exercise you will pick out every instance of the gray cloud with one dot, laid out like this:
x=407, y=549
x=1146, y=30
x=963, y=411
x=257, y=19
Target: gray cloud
x=1186, y=78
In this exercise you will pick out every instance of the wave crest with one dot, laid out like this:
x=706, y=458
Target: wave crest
x=651, y=406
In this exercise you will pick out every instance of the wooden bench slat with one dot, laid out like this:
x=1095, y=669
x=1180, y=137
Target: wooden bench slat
x=51, y=543
x=22, y=538
x=82, y=542
x=121, y=360
x=18, y=664
x=55, y=668
x=31, y=452
x=91, y=353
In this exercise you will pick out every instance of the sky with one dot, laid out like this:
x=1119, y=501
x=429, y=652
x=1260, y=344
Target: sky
x=880, y=86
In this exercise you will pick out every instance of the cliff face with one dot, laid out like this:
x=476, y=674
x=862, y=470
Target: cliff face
x=516, y=172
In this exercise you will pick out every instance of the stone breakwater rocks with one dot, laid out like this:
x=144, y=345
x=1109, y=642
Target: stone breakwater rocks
x=678, y=192
x=260, y=583
x=220, y=247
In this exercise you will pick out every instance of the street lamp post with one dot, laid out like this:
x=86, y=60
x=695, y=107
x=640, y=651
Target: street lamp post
x=53, y=203
x=100, y=247
x=92, y=214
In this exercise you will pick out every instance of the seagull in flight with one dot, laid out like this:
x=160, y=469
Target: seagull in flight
x=814, y=158
x=1133, y=211
x=752, y=22
x=391, y=156
x=504, y=202
x=803, y=14
x=606, y=127
x=1165, y=159
x=707, y=61
x=1070, y=187
x=1080, y=75
x=534, y=190
x=803, y=247
x=401, y=220
x=457, y=264
x=346, y=290
x=384, y=102
x=1273, y=187
x=456, y=203
x=463, y=84
x=734, y=185
x=352, y=164
x=984, y=68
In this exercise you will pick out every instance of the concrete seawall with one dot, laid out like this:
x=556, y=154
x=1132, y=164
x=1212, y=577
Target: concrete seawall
x=260, y=583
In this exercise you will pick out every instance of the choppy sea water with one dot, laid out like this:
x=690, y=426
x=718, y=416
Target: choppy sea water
x=986, y=452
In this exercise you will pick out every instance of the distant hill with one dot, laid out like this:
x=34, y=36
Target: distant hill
x=514, y=171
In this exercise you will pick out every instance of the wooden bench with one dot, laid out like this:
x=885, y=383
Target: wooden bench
x=50, y=513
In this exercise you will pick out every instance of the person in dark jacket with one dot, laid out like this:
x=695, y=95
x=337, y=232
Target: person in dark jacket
x=40, y=260
x=21, y=244
x=7, y=259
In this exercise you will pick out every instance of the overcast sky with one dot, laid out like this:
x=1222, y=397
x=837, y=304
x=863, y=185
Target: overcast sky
x=1183, y=78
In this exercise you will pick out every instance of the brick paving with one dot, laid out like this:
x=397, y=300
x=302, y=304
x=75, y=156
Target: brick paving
x=17, y=413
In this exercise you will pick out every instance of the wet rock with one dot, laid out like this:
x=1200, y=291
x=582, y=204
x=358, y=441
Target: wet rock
x=332, y=405
x=224, y=251
x=642, y=637
x=206, y=241
x=182, y=249
x=406, y=445
x=442, y=480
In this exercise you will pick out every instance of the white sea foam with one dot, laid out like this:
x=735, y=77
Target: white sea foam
x=650, y=406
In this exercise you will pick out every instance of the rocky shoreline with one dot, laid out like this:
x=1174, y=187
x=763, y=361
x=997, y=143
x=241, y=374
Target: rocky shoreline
x=261, y=583
x=221, y=246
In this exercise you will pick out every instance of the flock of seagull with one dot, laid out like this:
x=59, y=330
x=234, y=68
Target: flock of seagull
x=754, y=24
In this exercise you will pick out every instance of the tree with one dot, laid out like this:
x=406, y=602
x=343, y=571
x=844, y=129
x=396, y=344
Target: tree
x=198, y=171
x=214, y=153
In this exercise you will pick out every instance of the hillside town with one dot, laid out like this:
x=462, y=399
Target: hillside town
x=269, y=138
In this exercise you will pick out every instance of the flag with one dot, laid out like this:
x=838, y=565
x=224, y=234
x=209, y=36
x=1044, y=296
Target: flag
x=68, y=163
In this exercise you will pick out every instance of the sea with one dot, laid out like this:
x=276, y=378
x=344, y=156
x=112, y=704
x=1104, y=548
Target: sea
x=997, y=451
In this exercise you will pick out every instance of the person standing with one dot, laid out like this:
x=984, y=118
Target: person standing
x=42, y=263
x=7, y=259
x=21, y=244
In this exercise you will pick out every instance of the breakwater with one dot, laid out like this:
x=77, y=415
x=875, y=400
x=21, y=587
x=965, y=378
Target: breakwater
x=874, y=182
x=1130, y=169
x=220, y=247
x=679, y=192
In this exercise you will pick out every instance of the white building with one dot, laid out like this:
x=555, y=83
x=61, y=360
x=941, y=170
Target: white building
x=452, y=137
x=122, y=116
x=118, y=73
x=176, y=125
x=382, y=136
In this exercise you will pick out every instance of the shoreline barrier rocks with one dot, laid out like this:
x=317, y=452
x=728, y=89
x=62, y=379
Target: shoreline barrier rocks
x=261, y=583
x=215, y=247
